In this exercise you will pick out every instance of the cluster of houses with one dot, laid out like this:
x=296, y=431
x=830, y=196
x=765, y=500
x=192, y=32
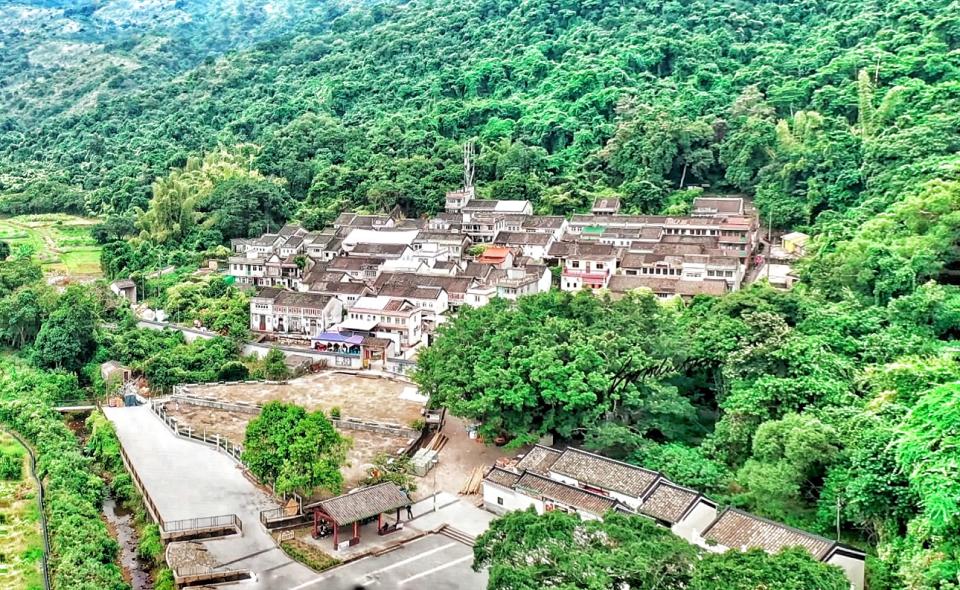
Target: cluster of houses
x=591, y=485
x=392, y=280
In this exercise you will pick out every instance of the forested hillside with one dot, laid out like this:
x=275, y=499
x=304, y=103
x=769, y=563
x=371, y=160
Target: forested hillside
x=815, y=106
x=67, y=55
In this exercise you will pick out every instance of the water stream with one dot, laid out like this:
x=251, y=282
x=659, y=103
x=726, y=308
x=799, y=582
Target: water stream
x=120, y=521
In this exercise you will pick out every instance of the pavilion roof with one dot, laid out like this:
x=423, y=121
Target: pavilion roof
x=363, y=503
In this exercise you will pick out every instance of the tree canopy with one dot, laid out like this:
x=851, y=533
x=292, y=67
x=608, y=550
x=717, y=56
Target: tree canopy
x=526, y=551
x=295, y=450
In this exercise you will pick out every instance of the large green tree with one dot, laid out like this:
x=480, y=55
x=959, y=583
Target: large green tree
x=295, y=450
x=527, y=551
x=558, y=363
x=790, y=569
x=67, y=338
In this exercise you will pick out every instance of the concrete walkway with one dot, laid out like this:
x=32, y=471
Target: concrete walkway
x=189, y=480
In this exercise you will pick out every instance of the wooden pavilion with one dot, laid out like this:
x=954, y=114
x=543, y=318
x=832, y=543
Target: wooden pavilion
x=357, y=506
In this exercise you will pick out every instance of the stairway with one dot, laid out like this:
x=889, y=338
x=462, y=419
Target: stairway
x=457, y=535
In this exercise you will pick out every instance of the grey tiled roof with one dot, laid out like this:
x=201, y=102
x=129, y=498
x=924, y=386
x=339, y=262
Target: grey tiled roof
x=737, y=529
x=539, y=459
x=546, y=488
x=601, y=472
x=364, y=503
x=502, y=477
x=668, y=501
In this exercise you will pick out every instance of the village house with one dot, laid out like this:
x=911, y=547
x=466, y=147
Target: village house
x=292, y=313
x=591, y=485
x=346, y=291
x=497, y=256
x=509, y=283
x=434, y=301
x=717, y=207
x=667, y=288
x=126, y=289
x=606, y=206
x=691, y=267
x=532, y=245
x=455, y=286
x=735, y=530
x=384, y=317
x=359, y=268
x=455, y=244
x=555, y=225
x=584, y=265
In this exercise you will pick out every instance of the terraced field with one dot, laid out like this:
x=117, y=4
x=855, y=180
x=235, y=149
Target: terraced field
x=21, y=542
x=61, y=243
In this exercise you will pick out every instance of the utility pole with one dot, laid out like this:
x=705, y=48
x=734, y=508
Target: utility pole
x=469, y=172
x=838, y=519
x=769, y=242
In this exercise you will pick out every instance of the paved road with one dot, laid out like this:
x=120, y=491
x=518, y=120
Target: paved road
x=434, y=562
x=189, y=480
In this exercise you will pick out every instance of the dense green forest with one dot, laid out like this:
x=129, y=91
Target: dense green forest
x=67, y=55
x=818, y=107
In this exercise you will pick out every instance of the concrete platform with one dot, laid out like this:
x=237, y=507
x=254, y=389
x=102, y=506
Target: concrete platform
x=436, y=562
x=190, y=480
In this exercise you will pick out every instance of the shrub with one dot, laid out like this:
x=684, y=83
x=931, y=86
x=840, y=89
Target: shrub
x=308, y=555
x=11, y=466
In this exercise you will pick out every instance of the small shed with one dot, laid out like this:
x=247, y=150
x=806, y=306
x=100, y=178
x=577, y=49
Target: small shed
x=125, y=288
x=795, y=243
x=606, y=206
x=358, y=506
x=114, y=372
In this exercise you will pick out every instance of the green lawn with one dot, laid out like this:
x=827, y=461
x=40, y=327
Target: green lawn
x=21, y=541
x=61, y=243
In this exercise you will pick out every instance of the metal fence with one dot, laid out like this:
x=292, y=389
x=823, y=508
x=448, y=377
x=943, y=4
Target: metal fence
x=215, y=439
x=43, y=514
x=221, y=521
x=151, y=507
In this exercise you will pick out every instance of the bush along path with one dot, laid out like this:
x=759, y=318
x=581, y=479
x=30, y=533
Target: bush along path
x=44, y=567
x=82, y=552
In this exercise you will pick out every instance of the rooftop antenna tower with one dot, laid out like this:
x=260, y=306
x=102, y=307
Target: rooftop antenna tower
x=468, y=167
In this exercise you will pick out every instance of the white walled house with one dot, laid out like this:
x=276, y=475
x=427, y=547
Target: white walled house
x=591, y=485
x=292, y=313
x=585, y=265
x=532, y=245
x=384, y=317
x=434, y=301
x=500, y=495
x=735, y=529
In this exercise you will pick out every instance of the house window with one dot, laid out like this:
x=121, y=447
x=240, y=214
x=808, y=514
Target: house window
x=575, y=264
x=599, y=265
x=499, y=500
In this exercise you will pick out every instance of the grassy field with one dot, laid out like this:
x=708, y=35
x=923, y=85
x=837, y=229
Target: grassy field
x=21, y=541
x=61, y=243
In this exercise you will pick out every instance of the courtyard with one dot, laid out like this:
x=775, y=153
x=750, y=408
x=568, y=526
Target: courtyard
x=362, y=396
x=232, y=426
